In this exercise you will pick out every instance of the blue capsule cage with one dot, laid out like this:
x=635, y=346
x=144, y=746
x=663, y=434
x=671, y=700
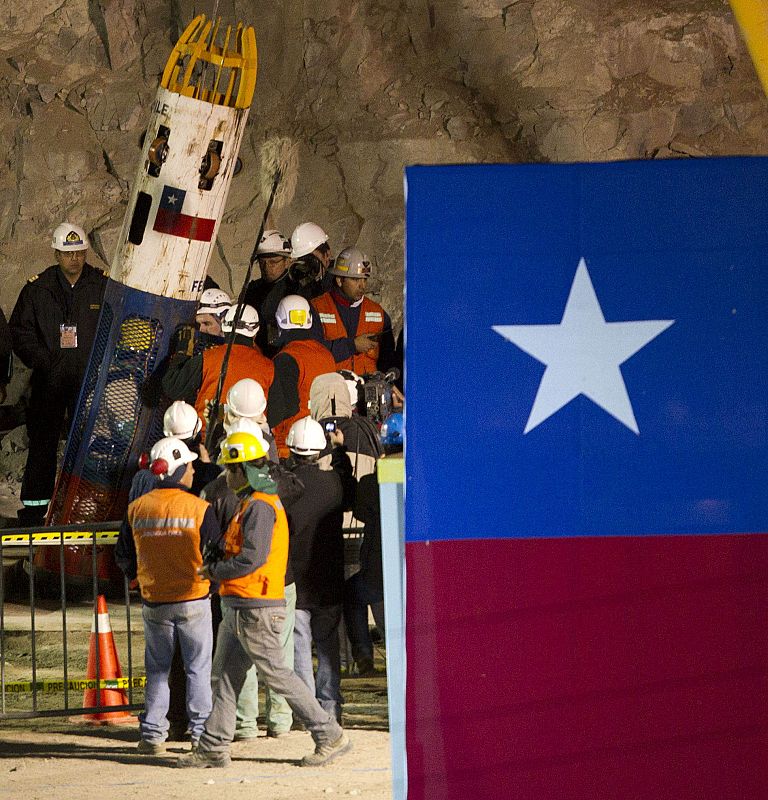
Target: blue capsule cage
x=114, y=420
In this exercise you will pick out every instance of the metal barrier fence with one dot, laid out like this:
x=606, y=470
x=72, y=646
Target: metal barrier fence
x=24, y=543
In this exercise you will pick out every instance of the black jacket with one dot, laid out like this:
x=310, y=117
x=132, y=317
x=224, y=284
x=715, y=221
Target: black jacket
x=265, y=298
x=47, y=302
x=317, y=540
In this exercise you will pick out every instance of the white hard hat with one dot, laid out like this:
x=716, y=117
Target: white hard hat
x=351, y=263
x=246, y=399
x=245, y=425
x=306, y=238
x=68, y=237
x=214, y=301
x=273, y=243
x=247, y=325
x=293, y=312
x=353, y=381
x=168, y=455
x=306, y=437
x=181, y=420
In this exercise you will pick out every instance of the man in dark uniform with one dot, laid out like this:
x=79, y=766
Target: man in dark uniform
x=266, y=292
x=53, y=326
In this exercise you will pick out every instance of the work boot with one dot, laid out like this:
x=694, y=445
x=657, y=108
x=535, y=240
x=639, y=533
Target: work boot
x=204, y=758
x=151, y=748
x=327, y=752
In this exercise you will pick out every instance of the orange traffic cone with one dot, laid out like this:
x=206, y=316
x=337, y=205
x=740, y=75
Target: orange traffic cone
x=109, y=667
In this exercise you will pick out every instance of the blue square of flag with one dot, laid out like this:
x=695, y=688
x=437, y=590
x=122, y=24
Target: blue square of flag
x=586, y=349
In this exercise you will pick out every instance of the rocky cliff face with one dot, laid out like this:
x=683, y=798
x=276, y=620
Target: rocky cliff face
x=363, y=88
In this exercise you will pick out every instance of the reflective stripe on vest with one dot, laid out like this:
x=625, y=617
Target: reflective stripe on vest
x=166, y=531
x=371, y=320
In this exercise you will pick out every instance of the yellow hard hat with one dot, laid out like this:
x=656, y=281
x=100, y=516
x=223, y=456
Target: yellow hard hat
x=240, y=447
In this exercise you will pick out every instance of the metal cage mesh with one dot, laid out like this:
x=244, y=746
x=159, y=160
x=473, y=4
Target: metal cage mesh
x=94, y=493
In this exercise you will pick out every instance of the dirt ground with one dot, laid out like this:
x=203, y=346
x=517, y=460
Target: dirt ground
x=46, y=760
x=56, y=758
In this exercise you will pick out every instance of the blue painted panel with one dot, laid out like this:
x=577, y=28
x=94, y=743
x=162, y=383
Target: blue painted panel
x=682, y=241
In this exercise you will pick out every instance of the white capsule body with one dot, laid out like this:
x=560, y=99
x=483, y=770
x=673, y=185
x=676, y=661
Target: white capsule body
x=174, y=211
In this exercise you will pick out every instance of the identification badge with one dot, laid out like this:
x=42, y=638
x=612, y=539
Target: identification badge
x=67, y=336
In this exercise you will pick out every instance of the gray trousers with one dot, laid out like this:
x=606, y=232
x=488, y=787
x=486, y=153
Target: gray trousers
x=252, y=636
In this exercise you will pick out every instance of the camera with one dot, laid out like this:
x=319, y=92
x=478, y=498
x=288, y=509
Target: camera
x=330, y=427
x=377, y=394
x=213, y=552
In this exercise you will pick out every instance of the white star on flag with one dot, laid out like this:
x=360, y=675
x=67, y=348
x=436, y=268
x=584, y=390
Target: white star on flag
x=583, y=354
x=172, y=199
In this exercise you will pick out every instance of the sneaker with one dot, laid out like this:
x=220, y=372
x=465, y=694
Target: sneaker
x=327, y=752
x=278, y=734
x=151, y=748
x=204, y=758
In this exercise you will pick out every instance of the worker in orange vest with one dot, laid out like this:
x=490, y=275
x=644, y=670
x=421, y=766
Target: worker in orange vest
x=357, y=329
x=196, y=378
x=300, y=360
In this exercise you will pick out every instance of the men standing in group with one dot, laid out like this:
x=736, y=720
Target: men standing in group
x=300, y=360
x=266, y=292
x=161, y=543
x=357, y=329
x=251, y=577
x=53, y=326
x=196, y=378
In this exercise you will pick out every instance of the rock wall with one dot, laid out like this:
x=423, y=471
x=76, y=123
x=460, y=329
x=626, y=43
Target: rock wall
x=363, y=88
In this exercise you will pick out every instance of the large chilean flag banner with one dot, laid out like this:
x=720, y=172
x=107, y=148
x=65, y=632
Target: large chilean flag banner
x=587, y=481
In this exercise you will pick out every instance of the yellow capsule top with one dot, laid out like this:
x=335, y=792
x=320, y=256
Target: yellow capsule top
x=219, y=74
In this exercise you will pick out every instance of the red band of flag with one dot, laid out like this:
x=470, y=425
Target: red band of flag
x=169, y=218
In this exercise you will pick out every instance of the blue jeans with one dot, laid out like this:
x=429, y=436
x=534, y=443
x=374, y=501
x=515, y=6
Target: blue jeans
x=320, y=625
x=277, y=711
x=190, y=624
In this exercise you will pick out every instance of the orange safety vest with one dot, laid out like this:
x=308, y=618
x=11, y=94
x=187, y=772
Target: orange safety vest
x=313, y=359
x=371, y=321
x=268, y=582
x=244, y=362
x=166, y=530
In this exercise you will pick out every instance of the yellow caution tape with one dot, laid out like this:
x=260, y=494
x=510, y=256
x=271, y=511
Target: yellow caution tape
x=77, y=684
x=56, y=537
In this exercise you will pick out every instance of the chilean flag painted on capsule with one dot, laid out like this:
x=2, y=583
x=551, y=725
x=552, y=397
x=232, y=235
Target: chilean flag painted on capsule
x=170, y=220
x=586, y=467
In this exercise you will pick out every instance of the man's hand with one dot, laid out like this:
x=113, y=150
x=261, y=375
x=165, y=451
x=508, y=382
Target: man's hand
x=364, y=343
x=205, y=457
x=204, y=572
x=336, y=437
x=398, y=398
